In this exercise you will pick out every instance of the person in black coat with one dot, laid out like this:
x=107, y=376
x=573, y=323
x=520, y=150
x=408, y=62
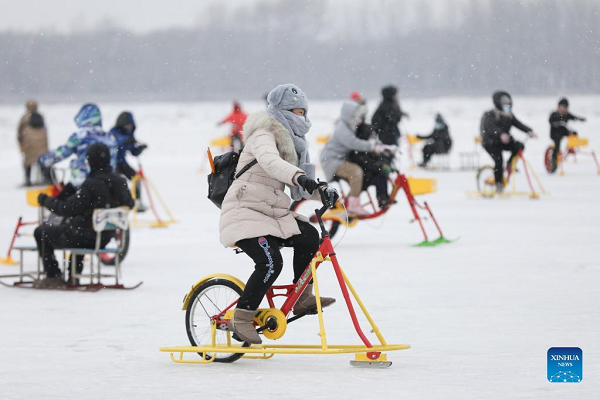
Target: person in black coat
x=439, y=141
x=102, y=189
x=387, y=117
x=495, y=133
x=376, y=167
x=124, y=134
x=558, y=125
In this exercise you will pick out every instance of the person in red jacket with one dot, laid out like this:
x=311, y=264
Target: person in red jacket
x=236, y=119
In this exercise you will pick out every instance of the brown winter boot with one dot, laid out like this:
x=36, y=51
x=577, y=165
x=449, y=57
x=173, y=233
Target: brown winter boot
x=308, y=302
x=241, y=324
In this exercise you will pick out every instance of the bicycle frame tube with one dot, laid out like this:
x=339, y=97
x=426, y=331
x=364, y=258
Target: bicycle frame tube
x=533, y=193
x=396, y=186
x=325, y=252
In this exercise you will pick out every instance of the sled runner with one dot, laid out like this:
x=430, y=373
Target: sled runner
x=211, y=302
x=92, y=287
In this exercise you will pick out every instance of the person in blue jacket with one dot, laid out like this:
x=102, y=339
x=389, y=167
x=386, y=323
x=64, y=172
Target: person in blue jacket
x=123, y=132
x=89, y=122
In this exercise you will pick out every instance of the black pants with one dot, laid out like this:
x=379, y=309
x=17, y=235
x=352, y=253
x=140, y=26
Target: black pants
x=557, y=139
x=28, y=175
x=126, y=170
x=45, y=172
x=433, y=148
x=50, y=238
x=495, y=151
x=380, y=181
x=265, y=253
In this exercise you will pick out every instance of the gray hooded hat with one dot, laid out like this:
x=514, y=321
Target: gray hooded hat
x=344, y=139
x=282, y=100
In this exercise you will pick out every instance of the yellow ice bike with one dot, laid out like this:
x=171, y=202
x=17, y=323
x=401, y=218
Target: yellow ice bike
x=486, y=182
x=575, y=144
x=211, y=302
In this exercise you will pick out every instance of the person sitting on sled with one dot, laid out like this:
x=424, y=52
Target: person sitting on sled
x=335, y=156
x=255, y=214
x=123, y=133
x=237, y=118
x=559, y=125
x=89, y=122
x=496, y=138
x=101, y=189
x=438, y=142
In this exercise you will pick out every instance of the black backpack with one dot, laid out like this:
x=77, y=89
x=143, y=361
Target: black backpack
x=223, y=175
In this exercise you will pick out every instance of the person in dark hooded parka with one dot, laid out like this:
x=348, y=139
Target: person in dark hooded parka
x=438, y=142
x=124, y=134
x=101, y=189
x=387, y=117
x=496, y=137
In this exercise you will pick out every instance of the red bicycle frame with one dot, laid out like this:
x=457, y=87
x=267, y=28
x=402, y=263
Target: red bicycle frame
x=401, y=183
x=512, y=168
x=293, y=292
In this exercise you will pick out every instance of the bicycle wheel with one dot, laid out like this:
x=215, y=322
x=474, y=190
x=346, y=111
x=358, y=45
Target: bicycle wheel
x=549, y=163
x=210, y=299
x=115, y=243
x=486, y=184
x=307, y=208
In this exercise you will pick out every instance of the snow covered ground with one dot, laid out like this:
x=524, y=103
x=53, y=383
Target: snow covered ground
x=480, y=314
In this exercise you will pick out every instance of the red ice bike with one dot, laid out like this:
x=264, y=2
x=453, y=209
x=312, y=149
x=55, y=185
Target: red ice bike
x=210, y=304
x=399, y=183
x=575, y=145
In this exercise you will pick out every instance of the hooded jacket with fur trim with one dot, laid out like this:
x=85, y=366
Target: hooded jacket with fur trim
x=256, y=204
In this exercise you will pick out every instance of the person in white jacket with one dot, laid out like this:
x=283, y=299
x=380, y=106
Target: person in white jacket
x=334, y=157
x=255, y=213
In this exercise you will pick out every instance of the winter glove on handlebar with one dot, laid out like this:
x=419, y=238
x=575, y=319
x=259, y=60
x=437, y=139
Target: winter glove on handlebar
x=386, y=169
x=307, y=184
x=42, y=198
x=381, y=148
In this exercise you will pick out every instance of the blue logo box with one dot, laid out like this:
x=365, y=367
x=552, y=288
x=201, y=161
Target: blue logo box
x=565, y=364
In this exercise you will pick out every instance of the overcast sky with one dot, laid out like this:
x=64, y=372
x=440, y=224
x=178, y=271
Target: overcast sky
x=144, y=16
x=69, y=15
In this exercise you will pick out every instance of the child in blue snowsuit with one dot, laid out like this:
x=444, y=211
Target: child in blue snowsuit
x=89, y=122
x=123, y=132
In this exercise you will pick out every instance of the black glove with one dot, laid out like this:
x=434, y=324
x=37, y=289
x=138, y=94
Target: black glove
x=142, y=147
x=42, y=198
x=307, y=184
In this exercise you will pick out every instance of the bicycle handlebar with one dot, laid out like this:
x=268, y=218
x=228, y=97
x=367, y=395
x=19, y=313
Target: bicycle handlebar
x=329, y=198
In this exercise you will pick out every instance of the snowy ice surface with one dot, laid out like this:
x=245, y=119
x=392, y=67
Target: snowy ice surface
x=480, y=314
